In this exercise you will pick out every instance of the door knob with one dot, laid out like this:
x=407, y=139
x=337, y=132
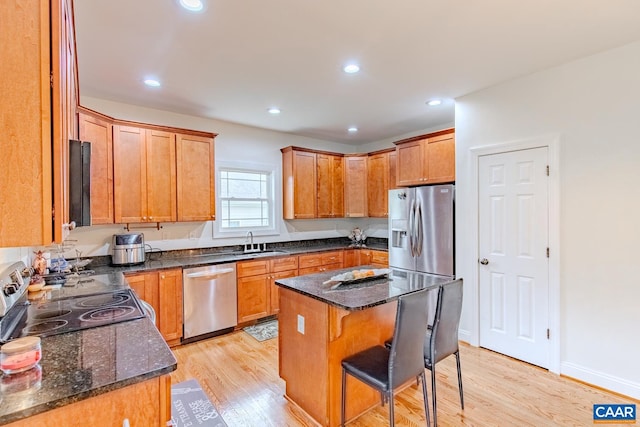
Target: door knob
x=484, y=261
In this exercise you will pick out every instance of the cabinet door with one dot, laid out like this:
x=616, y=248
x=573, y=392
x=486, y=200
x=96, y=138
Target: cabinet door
x=442, y=158
x=411, y=169
x=304, y=178
x=380, y=259
x=274, y=294
x=378, y=184
x=145, y=286
x=253, y=297
x=129, y=174
x=393, y=167
x=195, y=178
x=170, y=297
x=350, y=258
x=99, y=132
x=355, y=186
x=330, y=188
x=161, y=176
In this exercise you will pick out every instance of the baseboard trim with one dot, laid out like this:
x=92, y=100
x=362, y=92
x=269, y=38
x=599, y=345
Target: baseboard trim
x=605, y=381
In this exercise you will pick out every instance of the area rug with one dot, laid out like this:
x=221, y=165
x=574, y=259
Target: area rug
x=263, y=331
x=190, y=406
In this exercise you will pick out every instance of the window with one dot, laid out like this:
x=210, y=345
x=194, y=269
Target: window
x=245, y=200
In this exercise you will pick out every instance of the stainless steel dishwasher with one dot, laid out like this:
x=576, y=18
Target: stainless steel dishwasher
x=210, y=300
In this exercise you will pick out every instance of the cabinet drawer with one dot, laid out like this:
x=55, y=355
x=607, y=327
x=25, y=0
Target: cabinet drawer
x=252, y=268
x=335, y=257
x=311, y=260
x=284, y=264
x=380, y=258
x=310, y=270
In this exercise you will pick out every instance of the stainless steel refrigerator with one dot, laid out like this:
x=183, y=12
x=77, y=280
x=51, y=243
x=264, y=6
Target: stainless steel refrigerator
x=421, y=229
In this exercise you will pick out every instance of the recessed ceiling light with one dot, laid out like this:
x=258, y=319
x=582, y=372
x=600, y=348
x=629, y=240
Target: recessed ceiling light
x=192, y=5
x=434, y=102
x=352, y=129
x=152, y=82
x=274, y=110
x=351, y=68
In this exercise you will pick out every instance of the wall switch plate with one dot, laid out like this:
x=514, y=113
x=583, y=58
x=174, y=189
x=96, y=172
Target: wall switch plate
x=301, y=324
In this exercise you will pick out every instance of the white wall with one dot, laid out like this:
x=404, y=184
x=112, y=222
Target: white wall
x=235, y=143
x=592, y=104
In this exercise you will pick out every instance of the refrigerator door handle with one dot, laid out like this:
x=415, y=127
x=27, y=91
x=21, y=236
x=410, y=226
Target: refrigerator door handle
x=419, y=232
x=411, y=228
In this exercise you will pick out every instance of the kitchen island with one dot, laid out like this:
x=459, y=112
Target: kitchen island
x=97, y=376
x=319, y=326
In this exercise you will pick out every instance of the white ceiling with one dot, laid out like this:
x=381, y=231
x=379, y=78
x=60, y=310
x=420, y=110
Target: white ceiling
x=240, y=57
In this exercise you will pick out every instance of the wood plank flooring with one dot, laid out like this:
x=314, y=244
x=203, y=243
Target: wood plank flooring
x=240, y=376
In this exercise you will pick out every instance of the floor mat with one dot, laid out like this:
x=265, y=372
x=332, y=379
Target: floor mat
x=190, y=406
x=263, y=331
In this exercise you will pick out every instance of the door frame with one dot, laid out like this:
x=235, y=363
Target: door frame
x=552, y=142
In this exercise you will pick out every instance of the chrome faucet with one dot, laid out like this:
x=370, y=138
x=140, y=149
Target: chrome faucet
x=250, y=247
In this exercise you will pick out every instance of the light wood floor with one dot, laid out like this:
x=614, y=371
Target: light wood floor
x=240, y=376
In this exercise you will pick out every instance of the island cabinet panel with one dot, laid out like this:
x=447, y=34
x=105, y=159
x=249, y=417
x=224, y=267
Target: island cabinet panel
x=378, y=184
x=143, y=404
x=299, y=184
x=195, y=178
x=257, y=291
x=355, y=186
x=163, y=290
x=309, y=360
x=330, y=185
x=98, y=130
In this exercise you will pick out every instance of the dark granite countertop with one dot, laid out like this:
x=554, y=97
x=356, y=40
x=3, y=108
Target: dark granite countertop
x=87, y=363
x=201, y=257
x=365, y=294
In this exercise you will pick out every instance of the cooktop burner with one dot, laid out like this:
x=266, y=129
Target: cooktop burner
x=69, y=314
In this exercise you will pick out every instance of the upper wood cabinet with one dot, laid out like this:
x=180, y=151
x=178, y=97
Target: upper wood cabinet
x=195, y=178
x=378, y=178
x=98, y=130
x=144, y=175
x=427, y=159
x=299, y=183
x=37, y=117
x=330, y=188
x=355, y=186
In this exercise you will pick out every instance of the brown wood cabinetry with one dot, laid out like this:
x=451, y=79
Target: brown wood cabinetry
x=144, y=175
x=373, y=257
x=299, y=183
x=330, y=188
x=195, y=178
x=163, y=290
x=144, y=404
x=378, y=179
x=393, y=168
x=98, y=130
x=321, y=261
x=428, y=159
x=37, y=117
x=258, y=295
x=355, y=186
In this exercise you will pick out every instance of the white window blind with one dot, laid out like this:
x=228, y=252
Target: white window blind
x=246, y=199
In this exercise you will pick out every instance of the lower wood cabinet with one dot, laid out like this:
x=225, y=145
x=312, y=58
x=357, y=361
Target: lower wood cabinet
x=143, y=404
x=257, y=292
x=163, y=290
x=321, y=261
x=373, y=257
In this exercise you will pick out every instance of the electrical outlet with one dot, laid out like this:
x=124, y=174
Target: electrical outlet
x=301, y=324
x=192, y=235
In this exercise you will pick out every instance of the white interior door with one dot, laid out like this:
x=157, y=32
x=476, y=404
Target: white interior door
x=514, y=264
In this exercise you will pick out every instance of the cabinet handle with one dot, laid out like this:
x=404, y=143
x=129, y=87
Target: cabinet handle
x=162, y=276
x=150, y=218
x=144, y=218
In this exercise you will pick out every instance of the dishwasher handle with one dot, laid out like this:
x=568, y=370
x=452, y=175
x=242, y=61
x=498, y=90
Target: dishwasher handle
x=210, y=274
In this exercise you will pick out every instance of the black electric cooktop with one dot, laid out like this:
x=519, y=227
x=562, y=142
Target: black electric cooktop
x=69, y=314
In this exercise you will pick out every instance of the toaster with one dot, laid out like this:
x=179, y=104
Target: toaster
x=127, y=249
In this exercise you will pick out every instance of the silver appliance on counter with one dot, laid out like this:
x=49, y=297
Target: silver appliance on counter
x=127, y=249
x=421, y=229
x=210, y=300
